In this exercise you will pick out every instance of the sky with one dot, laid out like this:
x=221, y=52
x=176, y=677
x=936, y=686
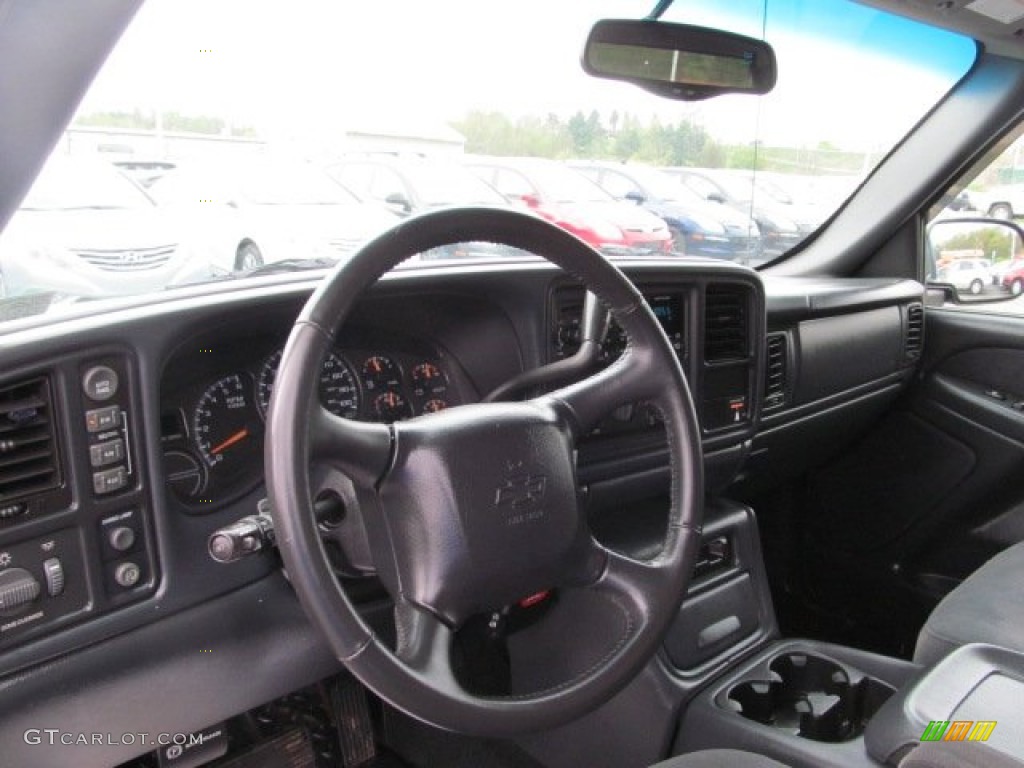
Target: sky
x=312, y=68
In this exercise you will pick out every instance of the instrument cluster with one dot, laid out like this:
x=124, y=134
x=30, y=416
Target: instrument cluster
x=212, y=433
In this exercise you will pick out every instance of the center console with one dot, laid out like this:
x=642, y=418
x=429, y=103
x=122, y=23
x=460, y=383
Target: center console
x=973, y=695
x=802, y=702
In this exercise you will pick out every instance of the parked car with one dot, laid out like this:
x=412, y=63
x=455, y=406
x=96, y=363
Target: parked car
x=698, y=228
x=412, y=185
x=144, y=172
x=779, y=231
x=245, y=214
x=575, y=203
x=1011, y=275
x=971, y=275
x=84, y=230
x=1003, y=201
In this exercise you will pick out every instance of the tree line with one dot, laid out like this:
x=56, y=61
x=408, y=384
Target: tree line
x=627, y=138
x=173, y=122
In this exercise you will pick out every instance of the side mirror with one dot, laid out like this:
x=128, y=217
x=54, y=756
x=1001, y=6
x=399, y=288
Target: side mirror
x=716, y=197
x=399, y=203
x=976, y=260
x=679, y=61
x=530, y=199
x=635, y=196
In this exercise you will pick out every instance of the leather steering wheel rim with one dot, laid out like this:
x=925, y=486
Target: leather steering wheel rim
x=435, y=544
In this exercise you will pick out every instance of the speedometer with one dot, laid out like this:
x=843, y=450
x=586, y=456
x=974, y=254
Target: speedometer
x=226, y=427
x=339, y=392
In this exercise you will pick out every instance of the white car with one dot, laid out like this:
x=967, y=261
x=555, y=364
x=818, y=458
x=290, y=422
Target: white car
x=244, y=215
x=84, y=230
x=970, y=275
x=1004, y=201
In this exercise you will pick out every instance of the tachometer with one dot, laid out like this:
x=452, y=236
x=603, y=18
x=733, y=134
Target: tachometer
x=339, y=393
x=226, y=427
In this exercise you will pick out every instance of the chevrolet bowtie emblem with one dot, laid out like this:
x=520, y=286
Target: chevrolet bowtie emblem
x=520, y=491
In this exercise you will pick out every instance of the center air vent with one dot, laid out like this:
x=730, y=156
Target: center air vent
x=725, y=323
x=28, y=450
x=915, y=332
x=775, y=372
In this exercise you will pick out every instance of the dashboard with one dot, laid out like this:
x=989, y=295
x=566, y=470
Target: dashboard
x=139, y=432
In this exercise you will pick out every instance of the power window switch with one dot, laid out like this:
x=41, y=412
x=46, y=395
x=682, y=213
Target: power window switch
x=53, y=570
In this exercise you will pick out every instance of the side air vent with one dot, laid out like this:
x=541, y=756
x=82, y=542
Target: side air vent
x=568, y=314
x=775, y=372
x=915, y=332
x=725, y=323
x=28, y=449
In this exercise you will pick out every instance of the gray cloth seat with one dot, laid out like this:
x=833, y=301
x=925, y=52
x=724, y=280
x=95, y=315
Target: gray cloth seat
x=926, y=755
x=988, y=607
x=720, y=758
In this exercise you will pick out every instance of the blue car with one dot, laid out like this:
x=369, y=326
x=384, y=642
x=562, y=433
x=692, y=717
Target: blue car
x=698, y=228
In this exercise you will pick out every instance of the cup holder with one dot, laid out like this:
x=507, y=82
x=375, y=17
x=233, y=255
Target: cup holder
x=811, y=697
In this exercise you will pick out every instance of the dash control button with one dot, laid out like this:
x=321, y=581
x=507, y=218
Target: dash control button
x=121, y=538
x=109, y=480
x=102, y=454
x=102, y=418
x=100, y=383
x=127, y=575
x=54, y=572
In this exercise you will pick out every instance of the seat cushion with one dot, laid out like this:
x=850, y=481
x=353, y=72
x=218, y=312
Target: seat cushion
x=988, y=607
x=720, y=758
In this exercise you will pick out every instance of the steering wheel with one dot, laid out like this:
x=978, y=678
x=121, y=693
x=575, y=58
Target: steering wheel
x=477, y=506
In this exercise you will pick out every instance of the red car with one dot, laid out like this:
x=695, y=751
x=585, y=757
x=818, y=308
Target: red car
x=575, y=203
x=1013, y=277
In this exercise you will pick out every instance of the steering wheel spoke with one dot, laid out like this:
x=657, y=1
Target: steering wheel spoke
x=639, y=583
x=626, y=381
x=359, y=449
x=425, y=644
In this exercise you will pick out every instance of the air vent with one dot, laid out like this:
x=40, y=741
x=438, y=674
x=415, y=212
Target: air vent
x=915, y=332
x=775, y=372
x=565, y=336
x=28, y=450
x=725, y=323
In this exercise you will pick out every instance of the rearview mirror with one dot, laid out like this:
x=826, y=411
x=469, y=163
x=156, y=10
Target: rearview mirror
x=678, y=61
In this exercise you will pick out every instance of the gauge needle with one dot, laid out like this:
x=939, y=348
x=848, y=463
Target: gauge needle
x=239, y=435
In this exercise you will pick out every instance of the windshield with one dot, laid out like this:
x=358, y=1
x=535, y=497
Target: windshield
x=313, y=84
x=448, y=185
x=68, y=186
x=292, y=186
x=564, y=185
x=661, y=186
